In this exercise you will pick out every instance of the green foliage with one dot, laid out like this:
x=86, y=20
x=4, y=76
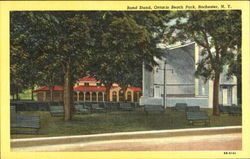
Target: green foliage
x=218, y=32
x=56, y=45
x=219, y=35
x=127, y=40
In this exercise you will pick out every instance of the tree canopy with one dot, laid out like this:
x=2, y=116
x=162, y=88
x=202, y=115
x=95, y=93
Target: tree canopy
x=218, y=33
x=59, y=47
x=68, y=45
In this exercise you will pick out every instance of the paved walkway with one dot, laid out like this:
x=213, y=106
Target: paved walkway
x=215, y=142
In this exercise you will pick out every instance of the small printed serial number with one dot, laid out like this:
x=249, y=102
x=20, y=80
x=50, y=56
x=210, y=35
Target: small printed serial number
x=229, y=153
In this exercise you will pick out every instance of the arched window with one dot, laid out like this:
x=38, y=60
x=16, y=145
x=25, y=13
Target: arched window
x=135, y=97
x=93, y=96
x=114, y=96
x=81, y=96
x=129, y=96
x=75, y=96
x=100, y=96
x=121, y=95
x=87, y=98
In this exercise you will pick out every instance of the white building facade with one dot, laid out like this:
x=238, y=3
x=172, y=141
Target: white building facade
x=181, y=85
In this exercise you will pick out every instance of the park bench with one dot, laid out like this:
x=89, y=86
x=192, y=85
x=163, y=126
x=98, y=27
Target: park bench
x=97, y=108
x=80, y=110
x=231, y=110
x=43, y=106
x=24, y=121
x=224, y=109
x=88, y=105
x=125, y=106
x=150, y=109
x=193, y=109
x=111, y=106
x=180, y=107
x=234, y=110
x=56, y=111
x=195, y=117
x=12, y=109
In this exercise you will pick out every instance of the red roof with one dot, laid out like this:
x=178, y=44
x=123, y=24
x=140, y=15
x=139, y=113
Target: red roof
x=44, y=88
x=85, y=88
x=90, y=88
x=88, y=79
x=135, y=89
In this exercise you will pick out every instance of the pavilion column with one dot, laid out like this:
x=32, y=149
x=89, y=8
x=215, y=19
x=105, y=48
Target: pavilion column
x=44, y=96
x=84, y=96
x=126, y=95
x=90, y=97
x=103, y=96
x=78, y=97
x=97, y=95
x=132, y=96
x=111, y=96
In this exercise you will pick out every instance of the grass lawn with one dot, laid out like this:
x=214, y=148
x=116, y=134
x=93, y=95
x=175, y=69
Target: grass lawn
x=121, y=121
x=26, y=95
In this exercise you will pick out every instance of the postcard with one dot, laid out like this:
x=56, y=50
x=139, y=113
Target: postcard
x=124, y=79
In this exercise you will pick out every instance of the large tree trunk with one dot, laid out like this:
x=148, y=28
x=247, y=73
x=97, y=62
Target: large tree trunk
x=17, y=94
x=239, y=90
x=124, y=89
x=68, y=98
x=216, y=94
x=72, y=98
x=32, y=93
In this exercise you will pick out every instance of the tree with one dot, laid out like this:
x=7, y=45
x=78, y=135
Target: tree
x=218, y=32
x=114, y=43
x=25, y=61
x=61, y=38
x=235, y=69
x=127, y=40
x=69, y=40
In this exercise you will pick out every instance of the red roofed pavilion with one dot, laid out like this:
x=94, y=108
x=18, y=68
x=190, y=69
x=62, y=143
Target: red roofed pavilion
x=89, y=89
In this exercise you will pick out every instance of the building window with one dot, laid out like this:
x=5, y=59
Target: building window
x=87, y=96
x=81, y=96
x=135, y=97
x=75, y=96
x=93, y=96
x=105, y=97
x=86, y=84
x=100, y=96
x=114, y=96
x=121, y=95
x=129, y=96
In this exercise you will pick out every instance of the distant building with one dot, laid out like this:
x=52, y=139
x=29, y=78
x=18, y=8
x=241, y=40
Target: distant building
x=181, y=84
x=88, y=89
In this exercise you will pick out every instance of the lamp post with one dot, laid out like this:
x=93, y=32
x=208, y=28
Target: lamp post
x=165, y=83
